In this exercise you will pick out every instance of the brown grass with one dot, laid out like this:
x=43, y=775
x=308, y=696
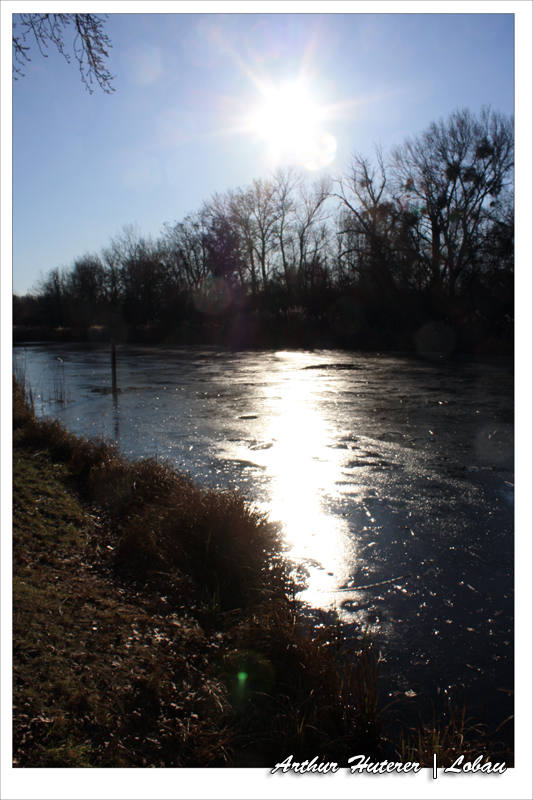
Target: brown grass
x=155, y=626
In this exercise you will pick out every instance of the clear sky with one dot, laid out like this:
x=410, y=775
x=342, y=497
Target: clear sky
x=199, y=104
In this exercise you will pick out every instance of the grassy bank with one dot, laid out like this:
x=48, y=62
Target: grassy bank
x=155, y=625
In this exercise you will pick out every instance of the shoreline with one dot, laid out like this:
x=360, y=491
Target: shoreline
x=253, y=336
x=95, y=543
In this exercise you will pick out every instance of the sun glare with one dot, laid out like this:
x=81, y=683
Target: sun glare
x=289, y=120
x=287, y=116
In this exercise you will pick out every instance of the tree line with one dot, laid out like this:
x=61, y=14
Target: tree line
x=421, y=236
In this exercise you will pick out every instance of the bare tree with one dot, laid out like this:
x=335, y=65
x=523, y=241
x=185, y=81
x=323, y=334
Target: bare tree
x=186, y=250
x=87, y=280
x=251, y=214
x=450, y=175
x=52, y=290
x=310, y=228
x=259, y=212
x=368, y=222
x=90, y=46
x=285, y=182
x=111, y=262
x=143, y=275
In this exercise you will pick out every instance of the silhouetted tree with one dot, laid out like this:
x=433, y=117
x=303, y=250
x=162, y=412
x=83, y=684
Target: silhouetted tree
x=87, y=280
x=369, y=220
x=186, y=251
x=90, y=45
x=27, y=310
x=54, y=296
x=286, y=181
x=254, y=210
x=311, y=232
x=427, y=235
x=223, y=250
x=87, y=288
x=301, y=236
x=111, y=263
x=449, y=175
x=143, y=276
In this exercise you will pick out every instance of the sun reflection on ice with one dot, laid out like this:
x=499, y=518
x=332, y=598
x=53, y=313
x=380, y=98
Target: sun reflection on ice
x=304, y=468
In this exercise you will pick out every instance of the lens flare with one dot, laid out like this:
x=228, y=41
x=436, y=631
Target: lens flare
x=321, y=152
x=212, y=296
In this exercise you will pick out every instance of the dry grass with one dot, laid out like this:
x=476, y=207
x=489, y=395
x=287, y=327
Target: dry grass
x=167, y=525
x=314, y=694
x=155, y=626
x=158, y=620
x=450, y=735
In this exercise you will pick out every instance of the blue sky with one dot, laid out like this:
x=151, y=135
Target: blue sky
x=177, y=128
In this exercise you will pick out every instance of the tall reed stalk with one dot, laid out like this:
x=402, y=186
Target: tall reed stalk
x=20, y=375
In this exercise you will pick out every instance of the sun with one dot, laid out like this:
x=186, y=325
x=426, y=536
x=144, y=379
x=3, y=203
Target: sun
x=289, y=120
x=287, y=115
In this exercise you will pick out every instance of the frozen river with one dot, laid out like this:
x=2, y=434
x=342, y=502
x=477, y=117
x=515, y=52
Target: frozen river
x=392, y=478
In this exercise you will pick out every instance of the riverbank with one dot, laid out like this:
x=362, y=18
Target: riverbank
x=154, y=625
x=282, y=331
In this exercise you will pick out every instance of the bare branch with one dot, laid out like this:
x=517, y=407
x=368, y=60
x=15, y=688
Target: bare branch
x=90, y=46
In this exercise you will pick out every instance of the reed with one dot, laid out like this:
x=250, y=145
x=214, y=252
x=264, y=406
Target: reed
x=60, y=394
x=303, y=692
x=25, y=400
x=167, y=525
x=227, y=673
x=450, y=735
